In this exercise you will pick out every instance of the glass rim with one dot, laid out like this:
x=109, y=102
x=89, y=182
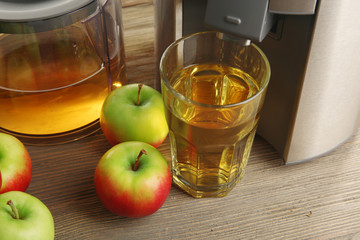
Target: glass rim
x=165, y=80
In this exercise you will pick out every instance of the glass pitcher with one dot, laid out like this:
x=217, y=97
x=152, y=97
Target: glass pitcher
x=58, y=62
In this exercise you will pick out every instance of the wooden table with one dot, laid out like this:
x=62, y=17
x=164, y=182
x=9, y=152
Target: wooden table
x=319, y=199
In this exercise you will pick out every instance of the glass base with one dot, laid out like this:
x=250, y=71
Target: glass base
x=59, y=138
x=199, y=192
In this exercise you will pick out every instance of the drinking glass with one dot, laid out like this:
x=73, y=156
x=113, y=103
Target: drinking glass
x=213, y=89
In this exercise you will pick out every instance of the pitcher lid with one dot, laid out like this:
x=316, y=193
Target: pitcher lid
x=32, y=10
x=43, y=13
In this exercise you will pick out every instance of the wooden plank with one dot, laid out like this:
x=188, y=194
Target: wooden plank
x=139, y=36
x=132, y=3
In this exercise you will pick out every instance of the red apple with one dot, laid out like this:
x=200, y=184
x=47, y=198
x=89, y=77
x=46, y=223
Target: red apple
x=15, y=164
x=133, y=179
x=134, y=112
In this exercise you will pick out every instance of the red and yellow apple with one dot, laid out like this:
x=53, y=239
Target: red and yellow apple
x=15, y=164
x=134, y=112
x=133, y=179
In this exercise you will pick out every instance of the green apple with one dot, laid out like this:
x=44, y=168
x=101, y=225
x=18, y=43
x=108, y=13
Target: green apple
x=133, y=179
x=15, y=164
x=134, y=112
x=24, y=217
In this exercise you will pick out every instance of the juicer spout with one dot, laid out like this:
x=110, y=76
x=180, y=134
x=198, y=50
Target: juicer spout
x=229, y=37
x=249, y=20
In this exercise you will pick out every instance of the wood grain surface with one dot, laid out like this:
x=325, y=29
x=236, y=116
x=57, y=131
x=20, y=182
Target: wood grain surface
x=319, y=199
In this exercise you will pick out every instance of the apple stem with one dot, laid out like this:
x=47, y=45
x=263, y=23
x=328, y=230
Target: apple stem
x=15, y=212
x=136, y=165
x=138, y=97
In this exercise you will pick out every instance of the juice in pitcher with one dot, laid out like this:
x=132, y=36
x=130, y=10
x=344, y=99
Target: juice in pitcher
x=55, y=73
x=61, y=93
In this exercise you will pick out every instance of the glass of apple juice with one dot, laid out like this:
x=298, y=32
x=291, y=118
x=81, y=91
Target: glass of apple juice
x=213, y=90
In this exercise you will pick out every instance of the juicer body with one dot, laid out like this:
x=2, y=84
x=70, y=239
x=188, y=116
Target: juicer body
x=313, y=99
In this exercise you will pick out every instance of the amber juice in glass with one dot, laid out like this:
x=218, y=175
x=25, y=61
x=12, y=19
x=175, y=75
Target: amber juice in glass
x=213, y=101
x=53, y=84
